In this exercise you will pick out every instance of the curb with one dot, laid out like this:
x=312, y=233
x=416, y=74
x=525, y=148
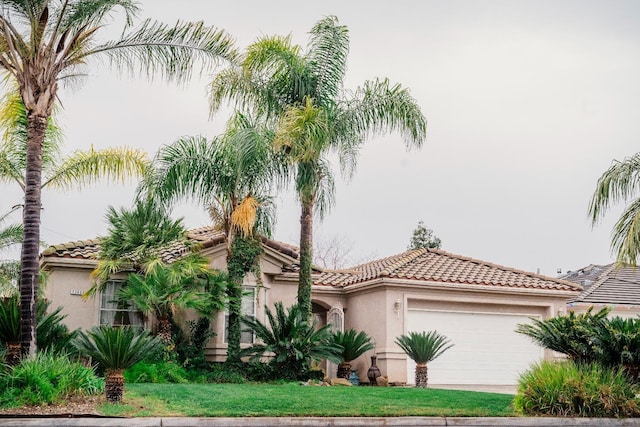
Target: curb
x=321, y=422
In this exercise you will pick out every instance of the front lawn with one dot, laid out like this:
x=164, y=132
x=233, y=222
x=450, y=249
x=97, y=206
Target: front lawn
x=277, y=400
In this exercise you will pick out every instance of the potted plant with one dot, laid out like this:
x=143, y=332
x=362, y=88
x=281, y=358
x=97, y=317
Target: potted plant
x=354, y=344
x=423, y=347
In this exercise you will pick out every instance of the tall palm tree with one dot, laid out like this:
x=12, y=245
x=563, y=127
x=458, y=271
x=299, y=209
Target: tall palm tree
x=43, y=42
x=618, y=184
x=422, y=348
x=302, y=93
x=231, y=176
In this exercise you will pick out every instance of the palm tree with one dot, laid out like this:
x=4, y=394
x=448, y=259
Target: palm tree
x=302, y=93
x=354, y=344
x=422, y=348
x=231, y=176
x=620, y=184
x=116, y=349
x=162, y=289
x=43, y=42
x=133, y=239
x=293, y=341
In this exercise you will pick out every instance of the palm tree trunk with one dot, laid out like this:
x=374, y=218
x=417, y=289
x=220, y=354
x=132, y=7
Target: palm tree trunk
x=306, y=257
x=114, y=385
x=164, y=331
x=12, y=357
x=421, y=375
x=234, y=330
x=37, y=125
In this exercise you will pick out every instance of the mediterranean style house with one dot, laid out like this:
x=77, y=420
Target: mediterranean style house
x=476, y=304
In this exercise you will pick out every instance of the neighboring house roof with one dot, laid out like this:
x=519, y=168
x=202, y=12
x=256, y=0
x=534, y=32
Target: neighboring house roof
x=609, y=284
x=439, y=266
x=205, y=236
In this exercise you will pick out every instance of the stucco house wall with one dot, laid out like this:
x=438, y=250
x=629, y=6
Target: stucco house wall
x=385, y=298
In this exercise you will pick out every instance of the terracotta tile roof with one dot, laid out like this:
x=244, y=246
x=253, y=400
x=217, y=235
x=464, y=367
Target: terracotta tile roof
x=205, y=236
x=443, y=267
x=614, y=284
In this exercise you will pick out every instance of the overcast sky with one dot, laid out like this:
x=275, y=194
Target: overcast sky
x=527, y=102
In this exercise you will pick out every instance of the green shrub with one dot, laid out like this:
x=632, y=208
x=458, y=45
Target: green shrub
x=190, y=347
x=158, y=372
x=223, y=373
x=570, y=389
x=45, y=379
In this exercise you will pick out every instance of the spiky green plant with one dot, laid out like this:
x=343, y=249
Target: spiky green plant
x=423, y=347
x=571, y=334
x=116, y=349
x=293, y=340
x=354, y=344
x=10, y=328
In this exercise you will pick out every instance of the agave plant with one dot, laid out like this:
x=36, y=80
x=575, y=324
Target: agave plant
x=423, y=347
x=354, y=344
x=116, y=349
x=293, y=341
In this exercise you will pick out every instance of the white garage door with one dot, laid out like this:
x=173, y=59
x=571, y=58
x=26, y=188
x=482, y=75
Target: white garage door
x=486, y=349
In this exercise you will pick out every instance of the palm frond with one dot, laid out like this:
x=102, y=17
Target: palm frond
x=625, y=237
x=327, y=51
x=423, y=347
x=116, y=348
x=90, y=13
x=84, y=168
x=617, y=184
x=354, y=344
x=170, y=52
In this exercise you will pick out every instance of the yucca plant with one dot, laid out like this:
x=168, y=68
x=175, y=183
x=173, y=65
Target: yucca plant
x=116, y=349
x=354, y=344
x=293, y=341
x=423, y=347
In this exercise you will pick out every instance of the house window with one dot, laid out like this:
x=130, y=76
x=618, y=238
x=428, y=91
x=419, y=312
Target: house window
x=248, y=310
x=114, y=312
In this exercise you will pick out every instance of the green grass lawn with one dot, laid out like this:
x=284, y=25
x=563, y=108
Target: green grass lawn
x=276, y=400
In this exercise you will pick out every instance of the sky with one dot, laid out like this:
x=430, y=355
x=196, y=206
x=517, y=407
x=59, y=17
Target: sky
x=527, y=102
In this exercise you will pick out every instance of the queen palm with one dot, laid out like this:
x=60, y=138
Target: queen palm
x=44, y=42
x=231, y=176
x=302, y=93
x=620, y=184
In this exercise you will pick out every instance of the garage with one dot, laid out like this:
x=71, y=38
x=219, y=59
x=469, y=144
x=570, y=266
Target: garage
x=486, y=349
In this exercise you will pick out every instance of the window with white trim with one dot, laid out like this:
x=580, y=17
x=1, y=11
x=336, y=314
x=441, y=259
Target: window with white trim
x=248, y=310
x=114, y=312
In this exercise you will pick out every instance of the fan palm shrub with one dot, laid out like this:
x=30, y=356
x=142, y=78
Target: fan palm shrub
x=293, y=341
x=423, y=347
x=354, y=344
x=115, y=349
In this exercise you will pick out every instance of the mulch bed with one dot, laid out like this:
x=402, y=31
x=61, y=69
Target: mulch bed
x=74, y=407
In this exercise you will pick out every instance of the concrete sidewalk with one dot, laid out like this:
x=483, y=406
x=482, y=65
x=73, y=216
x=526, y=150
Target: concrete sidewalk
x=318, y=422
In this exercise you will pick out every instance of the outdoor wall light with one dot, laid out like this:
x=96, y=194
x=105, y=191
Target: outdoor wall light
x=396, y=307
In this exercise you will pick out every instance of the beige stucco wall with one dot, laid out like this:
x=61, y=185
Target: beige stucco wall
x=372, y=308
x=624, y=311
